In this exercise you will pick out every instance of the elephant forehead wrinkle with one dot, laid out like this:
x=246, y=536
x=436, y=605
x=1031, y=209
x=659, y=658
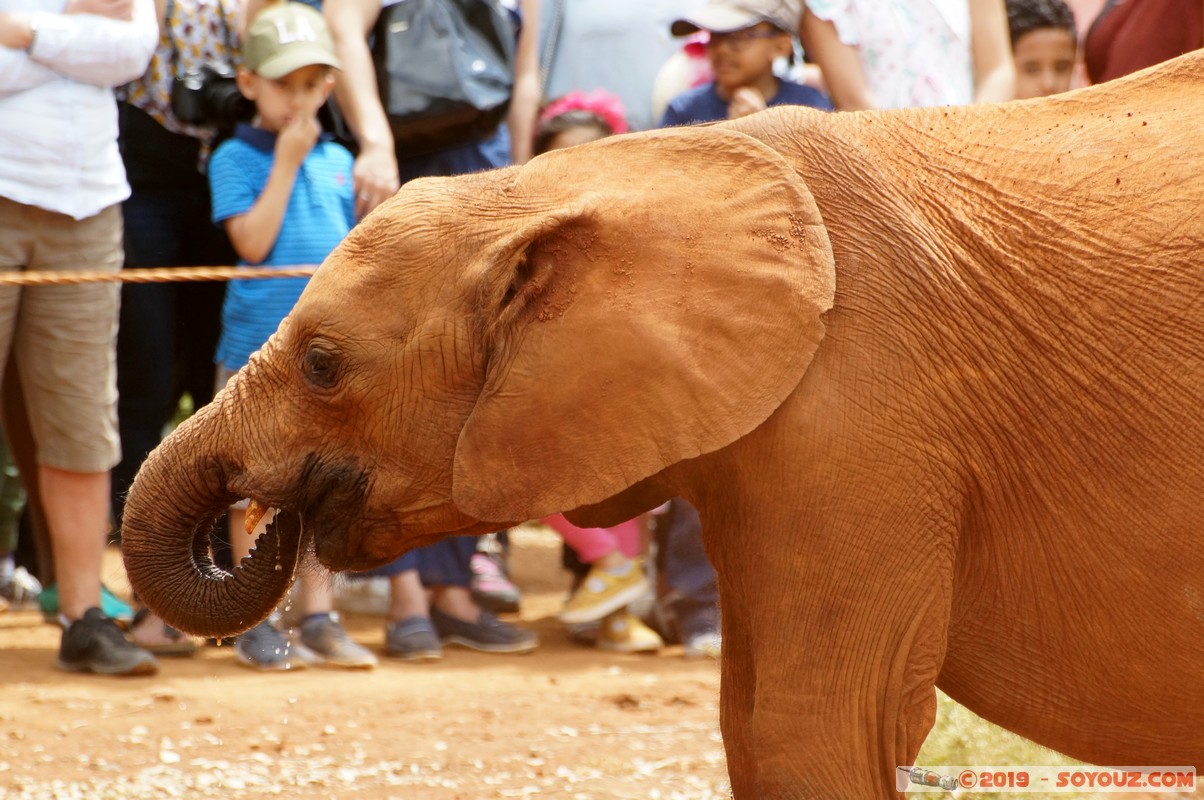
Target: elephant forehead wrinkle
x=438, y=337
x=477, y=205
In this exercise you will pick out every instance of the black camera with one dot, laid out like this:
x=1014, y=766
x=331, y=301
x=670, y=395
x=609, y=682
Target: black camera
x=209, y=96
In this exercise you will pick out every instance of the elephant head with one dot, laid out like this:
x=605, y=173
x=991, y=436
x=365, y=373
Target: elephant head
x=469, y=356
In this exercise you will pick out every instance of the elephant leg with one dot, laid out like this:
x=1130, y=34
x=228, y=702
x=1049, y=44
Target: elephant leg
x=738, y=679
x=831, y=654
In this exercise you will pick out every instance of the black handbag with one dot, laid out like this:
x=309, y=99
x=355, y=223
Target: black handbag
x=445, y=70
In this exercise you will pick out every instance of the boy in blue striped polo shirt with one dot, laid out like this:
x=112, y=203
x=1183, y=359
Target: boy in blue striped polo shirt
x=283, y=192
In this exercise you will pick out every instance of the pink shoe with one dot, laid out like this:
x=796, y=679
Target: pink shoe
x=491, y=589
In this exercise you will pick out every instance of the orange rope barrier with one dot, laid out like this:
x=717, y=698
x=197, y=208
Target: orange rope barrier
x=152, y=275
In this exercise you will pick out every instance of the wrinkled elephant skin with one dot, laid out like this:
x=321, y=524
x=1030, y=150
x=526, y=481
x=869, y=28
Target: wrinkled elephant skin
x=932, y=378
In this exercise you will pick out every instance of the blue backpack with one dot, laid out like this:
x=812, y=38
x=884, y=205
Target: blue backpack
x=445, y=70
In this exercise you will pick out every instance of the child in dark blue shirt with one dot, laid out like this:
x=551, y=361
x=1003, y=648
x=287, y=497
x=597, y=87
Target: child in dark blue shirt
x=746, y=38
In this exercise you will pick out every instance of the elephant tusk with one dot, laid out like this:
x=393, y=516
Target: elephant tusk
x=255, y=512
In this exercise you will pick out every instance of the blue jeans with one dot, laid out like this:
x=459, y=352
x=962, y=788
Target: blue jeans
x=444, y=563
x=687, y=572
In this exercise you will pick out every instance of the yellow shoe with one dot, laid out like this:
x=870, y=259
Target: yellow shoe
x=603, y=593
x=624, y=632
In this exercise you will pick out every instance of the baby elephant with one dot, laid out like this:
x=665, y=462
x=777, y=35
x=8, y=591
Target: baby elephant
x=933, y=379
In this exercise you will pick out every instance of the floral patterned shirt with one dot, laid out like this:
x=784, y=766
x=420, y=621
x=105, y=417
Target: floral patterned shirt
x=914, y=52
x=195, y=32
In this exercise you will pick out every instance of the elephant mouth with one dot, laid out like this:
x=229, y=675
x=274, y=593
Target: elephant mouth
x=329, y=501
x=339, y=524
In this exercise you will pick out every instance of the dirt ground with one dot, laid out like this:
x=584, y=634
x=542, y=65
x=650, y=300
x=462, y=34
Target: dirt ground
x=564, y=722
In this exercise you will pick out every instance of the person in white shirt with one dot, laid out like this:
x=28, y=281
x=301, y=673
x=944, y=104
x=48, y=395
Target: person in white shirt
x=61, y=183
x=910, y=53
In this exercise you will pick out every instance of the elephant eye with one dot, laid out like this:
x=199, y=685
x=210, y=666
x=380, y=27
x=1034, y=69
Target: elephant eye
x=321, y=367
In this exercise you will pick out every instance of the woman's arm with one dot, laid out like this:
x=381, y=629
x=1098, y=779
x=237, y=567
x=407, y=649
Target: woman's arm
x=991, y=51
x=18, y=72
x=375, y=173
x=840, y=64
x=98, y=43
x=527, y=92
x=249, y=10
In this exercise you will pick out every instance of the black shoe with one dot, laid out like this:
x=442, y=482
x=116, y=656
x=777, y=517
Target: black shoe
x=94, y=643
x=488, y=634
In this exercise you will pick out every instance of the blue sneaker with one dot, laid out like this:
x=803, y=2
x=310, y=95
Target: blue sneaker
x=110, y=604
x=266, y=648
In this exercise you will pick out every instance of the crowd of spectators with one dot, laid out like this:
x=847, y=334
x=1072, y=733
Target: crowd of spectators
x=166, y=133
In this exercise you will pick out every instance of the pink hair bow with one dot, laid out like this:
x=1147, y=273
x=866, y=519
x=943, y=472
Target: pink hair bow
x=600, y=102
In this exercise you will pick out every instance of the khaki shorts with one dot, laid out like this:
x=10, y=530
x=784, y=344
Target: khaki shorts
x=64, y=337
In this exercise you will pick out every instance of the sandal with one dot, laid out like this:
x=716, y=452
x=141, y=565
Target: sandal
x=165, y=640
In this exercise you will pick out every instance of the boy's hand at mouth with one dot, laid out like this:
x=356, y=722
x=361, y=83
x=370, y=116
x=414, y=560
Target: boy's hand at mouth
x=745, y=100
x=296, y=139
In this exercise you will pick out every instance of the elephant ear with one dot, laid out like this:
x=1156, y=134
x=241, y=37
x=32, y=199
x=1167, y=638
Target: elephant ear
x=661, y=297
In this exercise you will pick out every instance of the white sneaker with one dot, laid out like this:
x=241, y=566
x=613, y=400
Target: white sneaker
x=20, y=591
x=703, y=645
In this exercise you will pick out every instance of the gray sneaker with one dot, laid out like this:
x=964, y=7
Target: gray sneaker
x=487, y=635
x=266, y=648
x=94, y=643
x=326, y=636
x=413, y=639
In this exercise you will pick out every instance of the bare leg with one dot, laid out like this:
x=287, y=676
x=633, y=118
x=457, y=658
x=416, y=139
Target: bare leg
x=317, y=592
x=77, y=514
x=407, y=597
x=240, y=540
x=456, y=601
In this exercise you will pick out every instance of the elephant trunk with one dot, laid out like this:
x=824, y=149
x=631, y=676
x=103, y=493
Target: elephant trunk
x=178, y=495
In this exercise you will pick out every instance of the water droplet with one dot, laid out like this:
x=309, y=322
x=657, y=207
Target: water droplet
x=279, y=568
